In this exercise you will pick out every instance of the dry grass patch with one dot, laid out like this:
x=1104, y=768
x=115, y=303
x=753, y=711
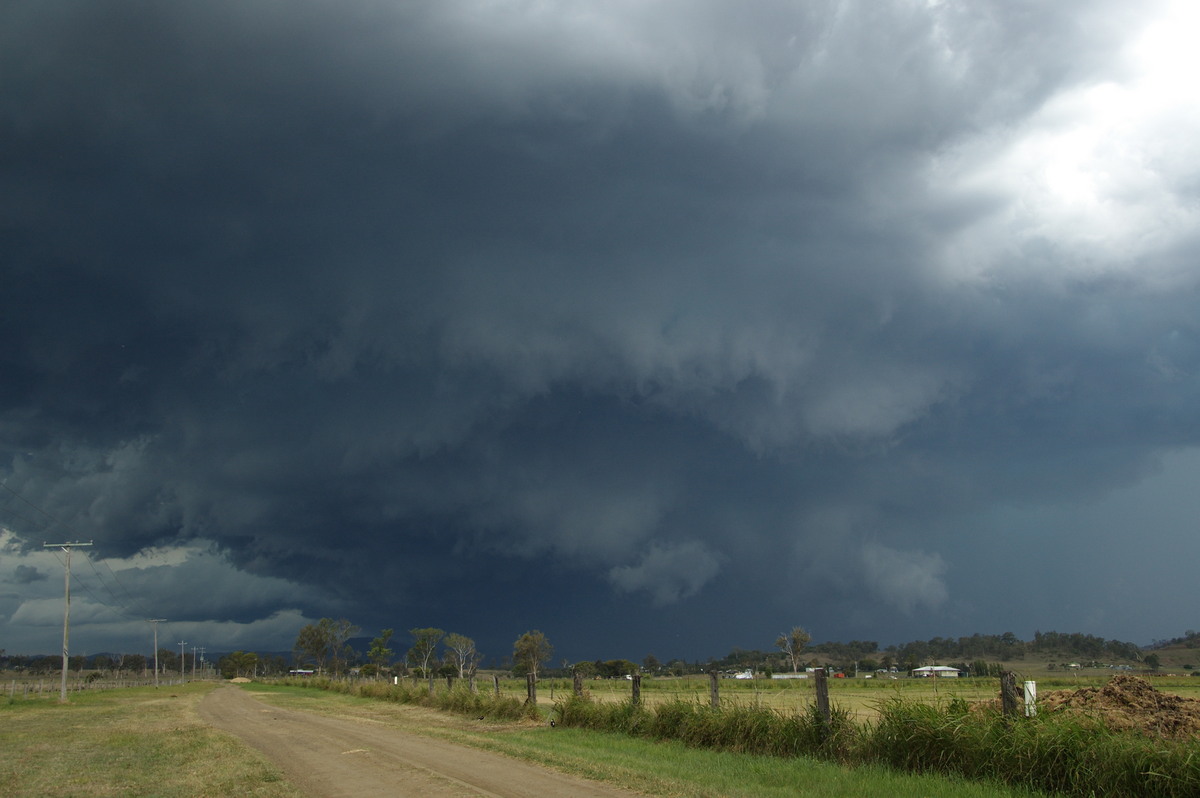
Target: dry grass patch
x=138, y=741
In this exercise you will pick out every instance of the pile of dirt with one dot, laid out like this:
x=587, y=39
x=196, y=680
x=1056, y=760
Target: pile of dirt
x=240, y=680
x=1130, y=703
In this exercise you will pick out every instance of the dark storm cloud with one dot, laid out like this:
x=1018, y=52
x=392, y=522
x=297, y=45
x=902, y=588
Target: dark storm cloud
x=673, y=301
x=24, y=574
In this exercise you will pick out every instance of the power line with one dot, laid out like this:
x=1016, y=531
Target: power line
x=130, y=607
x=26, y=501
x=136, y=610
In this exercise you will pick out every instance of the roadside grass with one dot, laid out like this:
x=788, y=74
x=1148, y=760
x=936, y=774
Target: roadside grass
x=460, y=700
x=129, y=742
x=656, y=767
x=1057, y=753
x=672, y=768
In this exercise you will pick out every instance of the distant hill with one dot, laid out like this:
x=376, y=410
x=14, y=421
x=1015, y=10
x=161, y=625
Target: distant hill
x=1181, y=654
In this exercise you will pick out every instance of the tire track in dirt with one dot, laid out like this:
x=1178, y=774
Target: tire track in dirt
x=334, y=757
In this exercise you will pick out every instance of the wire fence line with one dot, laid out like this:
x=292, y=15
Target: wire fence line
x=28, y=689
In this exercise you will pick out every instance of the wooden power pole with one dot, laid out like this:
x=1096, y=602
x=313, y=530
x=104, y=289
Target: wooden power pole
x=156, y=622
x=62, y=698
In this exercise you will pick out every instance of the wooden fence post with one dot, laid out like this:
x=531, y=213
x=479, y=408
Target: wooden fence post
x=823, y=696
x=636, y=694
x=496, y=683
x=474, y=687
x=578, y=683
x=714, y=690
x=431, y=685
x=1009, y=696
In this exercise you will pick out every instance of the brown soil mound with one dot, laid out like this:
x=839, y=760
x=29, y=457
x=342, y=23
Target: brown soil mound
x=1130, y=703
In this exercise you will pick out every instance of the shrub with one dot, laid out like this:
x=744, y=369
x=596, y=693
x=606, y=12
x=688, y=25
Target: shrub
x=1050, y=752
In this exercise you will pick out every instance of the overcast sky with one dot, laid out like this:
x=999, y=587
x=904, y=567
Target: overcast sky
x=658, y=326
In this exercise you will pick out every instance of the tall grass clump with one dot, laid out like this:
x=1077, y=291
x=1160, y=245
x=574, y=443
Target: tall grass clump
x=743, y=729
x=623, y=717
x=1051, y=752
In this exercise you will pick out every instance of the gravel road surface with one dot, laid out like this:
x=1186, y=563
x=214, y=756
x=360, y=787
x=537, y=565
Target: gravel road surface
x=330, y=757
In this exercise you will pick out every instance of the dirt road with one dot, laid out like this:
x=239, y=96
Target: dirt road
x=331, y=757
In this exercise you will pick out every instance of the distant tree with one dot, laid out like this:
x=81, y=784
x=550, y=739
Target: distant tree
x=135, y=662
x=311, y=647
x=616, y=668
x=424, y=650
x=584, y=669
x=461, y=654
x=325, y=644
x=531, y=650
x=238, y=663
x=168, y=660
x=379, y=654
x=45, y=664
x=341, y=654
x=272, y=665
x=1152, y=661
x=792, y=644
x=651, y=664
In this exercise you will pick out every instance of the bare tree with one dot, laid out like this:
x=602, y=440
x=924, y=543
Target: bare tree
x=792, y=643
x=339, y=633
x=461, y=653
x=425, y=643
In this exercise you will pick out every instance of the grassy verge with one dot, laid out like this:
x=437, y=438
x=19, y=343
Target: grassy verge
x=131, y=742
x=668, y=768
x=1064, y=754
x=672, y=768
x=1051, y=752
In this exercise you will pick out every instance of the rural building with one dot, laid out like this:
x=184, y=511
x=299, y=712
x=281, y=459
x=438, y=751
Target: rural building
x=941, y=671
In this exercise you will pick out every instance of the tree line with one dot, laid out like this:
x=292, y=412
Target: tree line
x=325, y=647
x=794, y=651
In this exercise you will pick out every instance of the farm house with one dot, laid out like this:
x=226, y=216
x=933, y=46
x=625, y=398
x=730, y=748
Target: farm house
x=940, y=671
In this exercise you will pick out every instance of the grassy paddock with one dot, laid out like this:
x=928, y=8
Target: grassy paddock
x=861, y=698
x=137, y=741
x=26, y=687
